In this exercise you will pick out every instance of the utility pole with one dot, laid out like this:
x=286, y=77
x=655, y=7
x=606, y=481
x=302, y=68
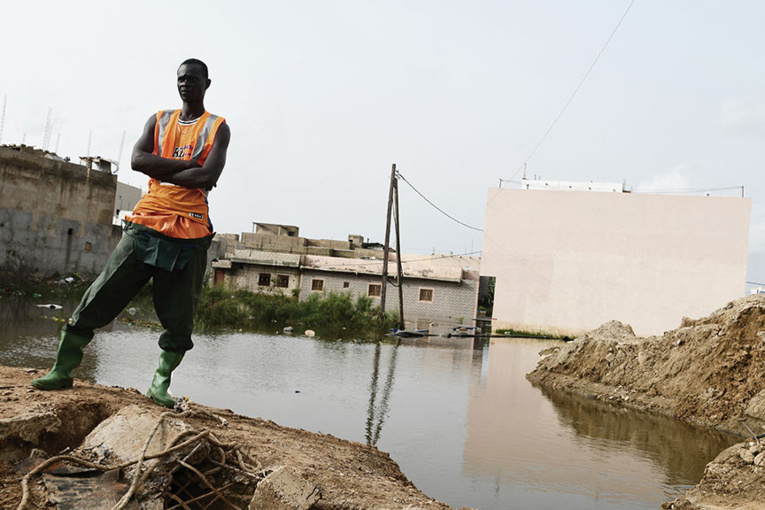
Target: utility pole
x=392, y=201
x=400, y=278
x=386, y=247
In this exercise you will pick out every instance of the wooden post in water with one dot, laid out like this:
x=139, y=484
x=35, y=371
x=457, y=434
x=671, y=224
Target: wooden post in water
x=386, y=249
x=400, y=280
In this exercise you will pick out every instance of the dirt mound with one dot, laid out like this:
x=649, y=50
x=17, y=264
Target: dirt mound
x=349, y=475
x=709, y=371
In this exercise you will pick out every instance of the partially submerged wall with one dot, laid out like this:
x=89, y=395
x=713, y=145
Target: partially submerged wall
x=55, y=216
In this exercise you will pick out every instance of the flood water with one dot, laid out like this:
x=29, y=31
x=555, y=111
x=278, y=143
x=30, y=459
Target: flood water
x=457, y=415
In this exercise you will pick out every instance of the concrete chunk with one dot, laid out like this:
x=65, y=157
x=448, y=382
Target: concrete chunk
x=285, y=489
x=124, y=433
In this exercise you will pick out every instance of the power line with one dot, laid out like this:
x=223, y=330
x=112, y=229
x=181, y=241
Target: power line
x=576, y=90
x=435, y=206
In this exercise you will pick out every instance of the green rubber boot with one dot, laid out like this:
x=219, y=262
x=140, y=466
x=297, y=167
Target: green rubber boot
x=68, y=358
x=168, y=361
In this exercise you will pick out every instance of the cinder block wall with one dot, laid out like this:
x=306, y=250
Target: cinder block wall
x=453, y=302
x=55, y=216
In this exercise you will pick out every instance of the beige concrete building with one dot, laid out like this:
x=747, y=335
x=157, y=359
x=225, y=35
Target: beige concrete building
x=567, y=261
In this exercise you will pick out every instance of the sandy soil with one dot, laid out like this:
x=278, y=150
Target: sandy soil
x=709, y=372
x=350, y=475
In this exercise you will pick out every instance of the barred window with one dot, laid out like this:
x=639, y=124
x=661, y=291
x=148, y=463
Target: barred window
x=426, y=295
x=375, y=290
x=264, y=279
x=317, y=285
x=283, y=281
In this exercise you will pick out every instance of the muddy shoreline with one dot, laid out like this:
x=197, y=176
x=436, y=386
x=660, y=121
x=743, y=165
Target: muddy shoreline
x=349, y=475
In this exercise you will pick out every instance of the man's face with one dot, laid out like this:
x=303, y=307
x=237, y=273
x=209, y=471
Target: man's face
x=192, y=83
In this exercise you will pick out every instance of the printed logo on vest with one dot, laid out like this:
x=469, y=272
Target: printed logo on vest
x=181, y=152
x=196, y=215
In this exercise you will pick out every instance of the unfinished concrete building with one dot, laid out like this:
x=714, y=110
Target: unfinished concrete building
x=55, y=216
x=438, y=290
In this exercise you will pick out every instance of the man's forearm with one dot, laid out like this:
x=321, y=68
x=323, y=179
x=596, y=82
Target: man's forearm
x=196, y=177
x=159, y=167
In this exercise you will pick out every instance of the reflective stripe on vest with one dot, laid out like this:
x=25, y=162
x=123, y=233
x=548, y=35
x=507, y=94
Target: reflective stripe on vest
x=203, y=134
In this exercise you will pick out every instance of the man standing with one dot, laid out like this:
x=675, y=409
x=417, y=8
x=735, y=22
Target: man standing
x=166, y=236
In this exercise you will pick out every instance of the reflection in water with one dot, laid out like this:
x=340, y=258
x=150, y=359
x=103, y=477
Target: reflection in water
x=682, y=450
x=30, y=334
x=375, y=413
x=461, y=420
x=589, y=455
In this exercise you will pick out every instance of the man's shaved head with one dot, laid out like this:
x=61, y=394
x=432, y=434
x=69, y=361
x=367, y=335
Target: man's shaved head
x=196, y=61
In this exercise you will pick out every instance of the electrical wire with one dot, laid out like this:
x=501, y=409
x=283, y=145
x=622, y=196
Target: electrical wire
x=576, y=90
x=398, y=174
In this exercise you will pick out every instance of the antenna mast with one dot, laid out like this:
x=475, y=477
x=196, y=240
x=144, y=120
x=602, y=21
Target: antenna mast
x=46, y=136
x=2, y=117
x=122, y=146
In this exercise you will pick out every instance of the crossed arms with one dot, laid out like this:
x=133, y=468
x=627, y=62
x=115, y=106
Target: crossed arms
x=188, y=174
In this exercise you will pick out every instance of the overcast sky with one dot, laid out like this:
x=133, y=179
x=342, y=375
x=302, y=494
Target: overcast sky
x=322, y=97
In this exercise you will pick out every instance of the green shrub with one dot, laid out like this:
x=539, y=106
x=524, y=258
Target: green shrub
x=332, y=315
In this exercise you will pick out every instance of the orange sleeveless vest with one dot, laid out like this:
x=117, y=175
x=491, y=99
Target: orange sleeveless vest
x=174, y=210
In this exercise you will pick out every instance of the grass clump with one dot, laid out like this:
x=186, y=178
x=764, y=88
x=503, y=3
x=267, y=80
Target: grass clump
x=331, y=315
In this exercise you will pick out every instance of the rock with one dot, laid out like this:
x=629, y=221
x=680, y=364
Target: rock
x=759, y=460
x=37, y=453
x=285, y=489
x=746, y=456
x=310, y=333
x=28, y=427
x=613, y=330
x=756, y=407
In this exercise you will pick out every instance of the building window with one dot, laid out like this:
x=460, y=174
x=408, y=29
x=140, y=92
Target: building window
x=375, y=289
x=264, y=280
x=346, y=285
x=317, y=285
x=283, y=281
x=426, y=295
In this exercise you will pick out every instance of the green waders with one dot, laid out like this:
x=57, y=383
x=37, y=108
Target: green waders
x=168, y=361
x=176, y=268
x=68, y=358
